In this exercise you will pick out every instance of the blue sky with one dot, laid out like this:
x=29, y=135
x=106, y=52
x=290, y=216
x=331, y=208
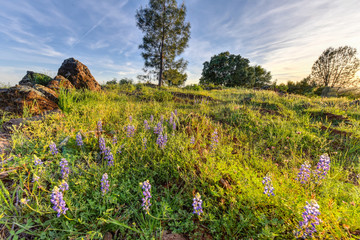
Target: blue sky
x=285, y=37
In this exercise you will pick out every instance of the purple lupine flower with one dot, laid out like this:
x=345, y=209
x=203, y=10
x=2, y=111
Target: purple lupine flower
x=35, y=178
x=64, y=186
x=175, y=111
x=64, y=168
x=130, y=118
x=53, y=149
x=102, y=145
x=151, y=118
x=171, y=120
x=99, y=126
x=159, y=128
x=162, y=140
x=310, y=220
x=268, y=187
x=130, y=130
x=109, y=157
x=104, y=184
x=174, y=126
x=37, y=161
x=304, y=173
x=57, y=199
x=192, y=140
x=144, y=142
x=79, y=140
x=214, y=140
x=197, y=204
x=114, y=140
x=146, y=125
x=323, y=166
x=146, y=186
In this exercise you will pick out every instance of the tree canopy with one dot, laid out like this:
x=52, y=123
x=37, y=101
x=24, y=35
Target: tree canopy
x=166, y=35
x=233, y=70
x=336, y=67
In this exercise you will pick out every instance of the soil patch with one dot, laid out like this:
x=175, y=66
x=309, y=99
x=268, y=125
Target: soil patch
x=335, y=131
x=264, y=111
x=331, y=117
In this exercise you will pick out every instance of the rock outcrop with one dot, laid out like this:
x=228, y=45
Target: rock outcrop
x=78, y=74
x=60, y=82
x=21, y=97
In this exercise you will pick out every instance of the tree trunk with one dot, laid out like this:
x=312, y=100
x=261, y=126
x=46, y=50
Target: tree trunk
x=161, y=62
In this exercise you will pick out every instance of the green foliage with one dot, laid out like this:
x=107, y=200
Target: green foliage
x=41, y=79
x=259, y=133
x=233, y=70
x=126, y=81
x=67, y=100
x=174, y=78
x=194, y=87
x=166, y=36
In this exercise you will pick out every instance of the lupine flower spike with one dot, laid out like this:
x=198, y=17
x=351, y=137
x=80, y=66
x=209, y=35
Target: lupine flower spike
x=130, y=130
x=310, y=220
x=102, y=145
x=64, y=186
x=79, y=140
x=197, y=204
x=146, y=125
x=58, y=200
x=37, y=161
x=144, y=142
x=214, y=140
x=162, y=140
x=53, y=149
x=192, y=140
x=268, y=187
x=109, y=157
x=64, y=168
x=146, y=186
x=323, y=166
x=104, y=184
x=304, y=174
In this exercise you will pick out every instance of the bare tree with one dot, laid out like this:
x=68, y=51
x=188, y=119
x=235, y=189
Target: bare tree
x=336, y=68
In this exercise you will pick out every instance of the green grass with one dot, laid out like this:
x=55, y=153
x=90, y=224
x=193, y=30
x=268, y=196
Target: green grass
x=267, y=134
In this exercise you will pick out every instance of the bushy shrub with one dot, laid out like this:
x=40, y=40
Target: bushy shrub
x=162, y=96
x=41, y=79
x=194, y=87
x=211, y=86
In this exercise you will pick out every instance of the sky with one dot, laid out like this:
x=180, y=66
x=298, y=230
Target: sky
x=285, y=37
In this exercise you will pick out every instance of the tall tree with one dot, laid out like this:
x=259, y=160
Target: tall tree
x=336, y=67
x=166, y=35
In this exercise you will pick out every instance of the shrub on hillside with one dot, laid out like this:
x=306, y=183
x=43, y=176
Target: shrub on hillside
x=194, y=87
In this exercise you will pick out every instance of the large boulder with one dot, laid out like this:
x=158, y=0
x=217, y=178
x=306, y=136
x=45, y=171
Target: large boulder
x=31, y=78
x=78, y=74
x=49, y=93
x=60, y=82
x=22, y=97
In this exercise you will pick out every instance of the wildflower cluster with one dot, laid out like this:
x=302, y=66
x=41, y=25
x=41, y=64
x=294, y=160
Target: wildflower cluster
x=304, y=174
x=104, y=184
x=102, y=145
x=159, y=128
x=214, y=140
x=323, y=166
x=146, y=186
x=53, y=149
x=268, y=187
x=192, y=140
x=35, y=178
x=162, y=140
x=64, y=168
x=146, y=125
x=109, y=156
x=197, y=204
x=151, y=118
x=64, y=186
x=79, y=140
x=310, y=220
x=58, y=200
x=37, y=161
x=130, y=130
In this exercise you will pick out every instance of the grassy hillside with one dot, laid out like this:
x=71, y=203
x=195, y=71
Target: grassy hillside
x=223, y=144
